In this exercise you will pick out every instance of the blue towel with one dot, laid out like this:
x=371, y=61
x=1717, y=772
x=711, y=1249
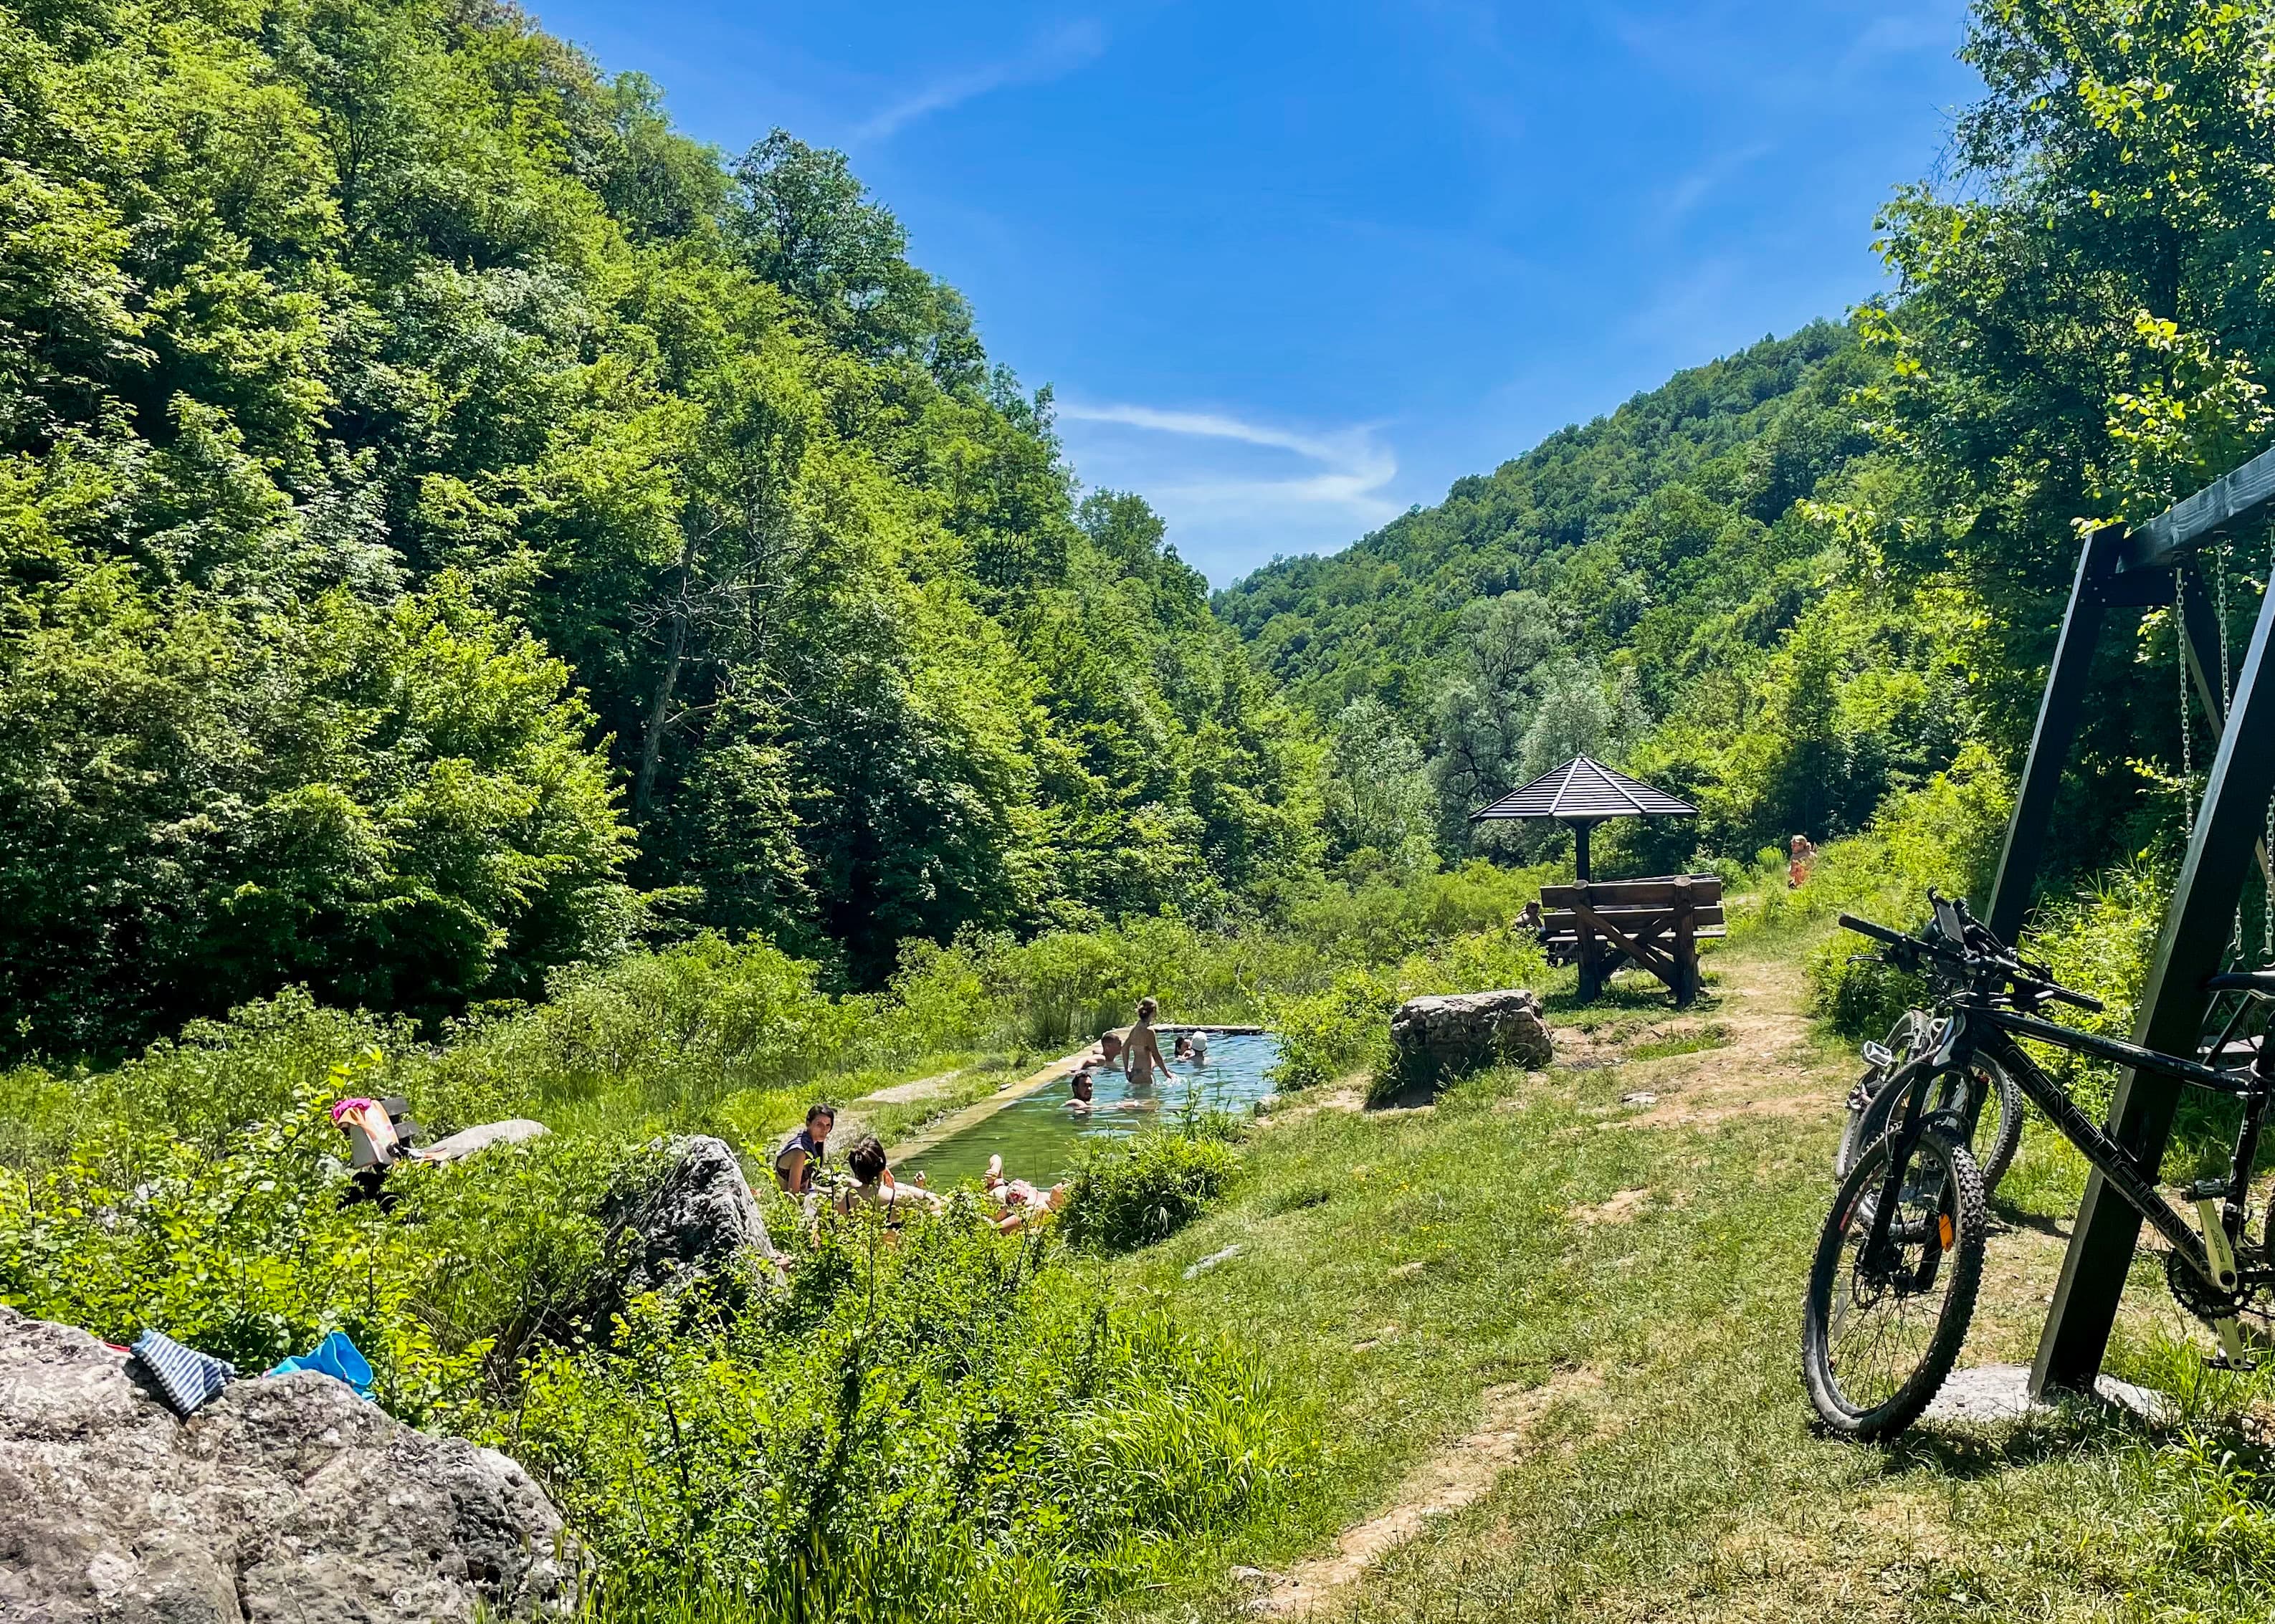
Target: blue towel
x=187, y=1377
x=336, y=1357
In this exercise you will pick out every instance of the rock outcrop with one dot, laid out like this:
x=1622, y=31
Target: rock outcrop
x=285, y=1499
x=700, y=1222
x=1434, y=1040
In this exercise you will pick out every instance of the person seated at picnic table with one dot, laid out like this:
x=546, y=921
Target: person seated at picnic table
x=1021, y=1201
x=876, y=1186
x=798, y=1161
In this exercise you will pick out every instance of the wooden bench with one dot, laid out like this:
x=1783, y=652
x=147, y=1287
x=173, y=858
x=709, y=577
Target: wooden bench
x=1655, y=924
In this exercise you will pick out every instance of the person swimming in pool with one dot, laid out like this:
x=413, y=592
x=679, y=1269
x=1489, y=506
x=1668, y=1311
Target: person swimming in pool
x=1082, y=1090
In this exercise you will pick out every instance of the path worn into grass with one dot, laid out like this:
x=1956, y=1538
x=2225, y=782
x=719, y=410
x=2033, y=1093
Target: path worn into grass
x=1447, y=1482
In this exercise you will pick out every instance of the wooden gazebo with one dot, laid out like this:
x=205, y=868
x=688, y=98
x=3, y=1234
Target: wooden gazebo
x=1655, y=924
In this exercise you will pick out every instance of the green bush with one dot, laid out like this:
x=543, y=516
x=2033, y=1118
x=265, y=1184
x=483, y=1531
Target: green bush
x=1148, y=1188
x=913, y=1429
x=1944, y=835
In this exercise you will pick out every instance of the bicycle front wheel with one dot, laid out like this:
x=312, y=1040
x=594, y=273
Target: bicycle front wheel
x=1883, y=1320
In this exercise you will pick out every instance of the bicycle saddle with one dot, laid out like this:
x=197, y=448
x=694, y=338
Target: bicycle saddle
x=2242, y=981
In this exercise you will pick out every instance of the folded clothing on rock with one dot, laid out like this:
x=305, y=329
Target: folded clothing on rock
x=187, y=1378
x=336, y=1357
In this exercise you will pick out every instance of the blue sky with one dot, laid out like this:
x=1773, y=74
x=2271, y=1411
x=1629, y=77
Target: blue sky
x=1293, y=268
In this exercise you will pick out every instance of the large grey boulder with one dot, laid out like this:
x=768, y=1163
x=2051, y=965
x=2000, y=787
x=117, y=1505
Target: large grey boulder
x=698, y=1222
x=1434, y=1040
x=285, y=1499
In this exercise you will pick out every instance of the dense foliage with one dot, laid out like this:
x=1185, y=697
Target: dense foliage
x=453, y=524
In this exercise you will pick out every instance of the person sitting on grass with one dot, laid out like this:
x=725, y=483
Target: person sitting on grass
x=798, y=1163
x=1021, y=1201
x=876, y=1186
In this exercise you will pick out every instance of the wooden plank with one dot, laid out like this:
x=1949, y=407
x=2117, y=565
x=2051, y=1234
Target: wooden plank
x=2062, y=706
x=1561, y=920
x=1631, y=893
x=1565, y=938
x=2228, y=506
x=1651, y=958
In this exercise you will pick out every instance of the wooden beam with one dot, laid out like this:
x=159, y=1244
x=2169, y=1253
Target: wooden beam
x=2173, y=1005
x=2060, y=708
x=2234, y=502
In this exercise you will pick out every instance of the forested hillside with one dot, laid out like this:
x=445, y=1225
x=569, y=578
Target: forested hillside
x=1811, y=574
x=455, y=526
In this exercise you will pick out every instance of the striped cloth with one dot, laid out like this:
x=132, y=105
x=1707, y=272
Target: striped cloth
x=187, y=1377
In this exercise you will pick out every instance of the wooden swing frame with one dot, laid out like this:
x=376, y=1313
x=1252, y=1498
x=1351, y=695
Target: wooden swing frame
x=2143, y=568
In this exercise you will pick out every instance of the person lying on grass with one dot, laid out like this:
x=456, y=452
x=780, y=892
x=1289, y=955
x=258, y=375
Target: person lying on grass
x=1021, y=1201
x=875, y=1185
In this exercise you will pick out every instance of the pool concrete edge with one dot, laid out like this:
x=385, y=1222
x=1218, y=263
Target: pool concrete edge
x=947, y=1126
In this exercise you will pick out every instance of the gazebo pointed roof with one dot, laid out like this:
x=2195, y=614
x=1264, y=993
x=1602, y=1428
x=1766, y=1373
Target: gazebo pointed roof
x=1584, y=788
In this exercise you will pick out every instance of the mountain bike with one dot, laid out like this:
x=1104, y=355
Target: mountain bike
x=1997, y=1131
x=1893, y=1285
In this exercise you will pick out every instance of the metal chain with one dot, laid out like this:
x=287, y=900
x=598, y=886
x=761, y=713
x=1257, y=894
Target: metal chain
x=2226, y=708
x=2219, y=601
x=2180, y=662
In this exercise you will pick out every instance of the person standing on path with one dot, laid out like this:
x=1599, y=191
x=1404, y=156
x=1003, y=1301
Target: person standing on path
x=1143, y=1053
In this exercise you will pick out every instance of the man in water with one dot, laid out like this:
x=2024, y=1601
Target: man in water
x=799, y=1162
x=1142, y=1055
x=1080, y=1091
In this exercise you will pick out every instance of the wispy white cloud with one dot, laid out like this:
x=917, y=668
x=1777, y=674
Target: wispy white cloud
x=1350, y=468
x=1066, y=48
x=1900, y=34
x=1701, y=183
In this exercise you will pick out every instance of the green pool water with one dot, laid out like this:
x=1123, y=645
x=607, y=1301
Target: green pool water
x=1040, y=1140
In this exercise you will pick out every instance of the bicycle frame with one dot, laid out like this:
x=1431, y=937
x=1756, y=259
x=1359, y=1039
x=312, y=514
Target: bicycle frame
x=1964, y=1034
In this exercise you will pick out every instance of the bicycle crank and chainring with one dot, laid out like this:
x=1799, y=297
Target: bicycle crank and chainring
x=2193, y=1292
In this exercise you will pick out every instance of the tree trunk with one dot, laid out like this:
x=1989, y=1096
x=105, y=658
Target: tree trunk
x=660, y=712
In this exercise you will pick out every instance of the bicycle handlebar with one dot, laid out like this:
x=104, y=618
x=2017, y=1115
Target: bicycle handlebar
x=1878, y=933
x=2013, y=969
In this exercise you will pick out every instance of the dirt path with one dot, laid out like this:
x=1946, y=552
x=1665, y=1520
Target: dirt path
x=1456, y=1476
x=1767, y=1064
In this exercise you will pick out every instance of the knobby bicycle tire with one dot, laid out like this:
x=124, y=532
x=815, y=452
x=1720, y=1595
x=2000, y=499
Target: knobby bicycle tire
x=1941, y=1175
x=1993, y=1153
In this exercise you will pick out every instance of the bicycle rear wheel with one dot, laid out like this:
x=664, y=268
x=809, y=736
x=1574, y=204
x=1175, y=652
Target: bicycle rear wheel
x=1997, y=1126
x=1880, y=1332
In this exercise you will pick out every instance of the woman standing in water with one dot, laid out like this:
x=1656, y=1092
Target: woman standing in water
x=1143, y=1053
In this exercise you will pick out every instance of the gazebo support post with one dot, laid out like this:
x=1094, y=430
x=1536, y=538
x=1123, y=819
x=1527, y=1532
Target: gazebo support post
x=1580, y=827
